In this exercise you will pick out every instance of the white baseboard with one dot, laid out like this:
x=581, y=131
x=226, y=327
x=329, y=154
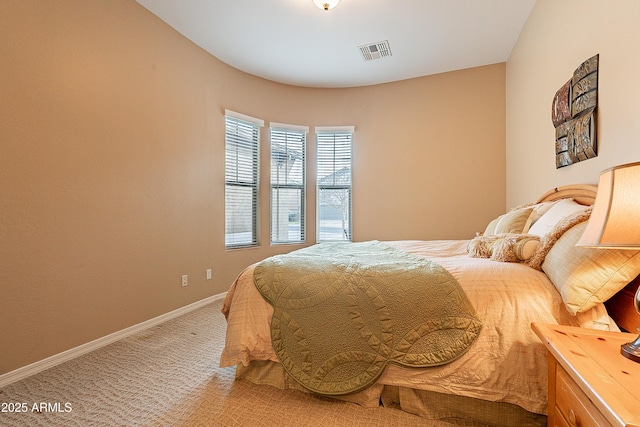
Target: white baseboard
x=56, y=359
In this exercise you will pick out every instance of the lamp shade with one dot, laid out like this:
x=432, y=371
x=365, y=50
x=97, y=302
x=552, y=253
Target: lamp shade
x=615, y=219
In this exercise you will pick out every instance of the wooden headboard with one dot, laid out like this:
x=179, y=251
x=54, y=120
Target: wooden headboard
x=585, y=194
x=620, y=306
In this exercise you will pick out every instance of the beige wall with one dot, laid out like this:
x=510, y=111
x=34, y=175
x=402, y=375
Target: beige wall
x=111, y=166
x=557, y=37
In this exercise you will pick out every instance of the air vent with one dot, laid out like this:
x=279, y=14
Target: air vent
x=375, y=50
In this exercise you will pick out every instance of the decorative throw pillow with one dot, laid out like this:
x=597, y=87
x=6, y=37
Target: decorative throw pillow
x=552, y=237
x=515, y=248
x=560, y=210
x=481, y=246
x=586, y=277
x=507, y=247
x=516, y=221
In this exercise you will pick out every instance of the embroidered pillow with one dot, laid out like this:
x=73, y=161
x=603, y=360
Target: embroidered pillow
x=517, y=221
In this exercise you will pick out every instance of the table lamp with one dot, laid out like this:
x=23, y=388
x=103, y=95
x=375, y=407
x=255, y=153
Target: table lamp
x=615, y=223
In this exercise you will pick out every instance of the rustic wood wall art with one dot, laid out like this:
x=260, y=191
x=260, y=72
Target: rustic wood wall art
x=573, y=115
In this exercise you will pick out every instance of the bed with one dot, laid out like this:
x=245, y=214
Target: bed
x=522, y=268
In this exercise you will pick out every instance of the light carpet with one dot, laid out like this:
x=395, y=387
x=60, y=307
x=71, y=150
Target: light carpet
x=168, y=375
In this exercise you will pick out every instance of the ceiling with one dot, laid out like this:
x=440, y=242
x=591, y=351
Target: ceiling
x=294, y=42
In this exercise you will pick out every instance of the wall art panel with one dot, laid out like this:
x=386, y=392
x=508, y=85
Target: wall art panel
x=573, y=113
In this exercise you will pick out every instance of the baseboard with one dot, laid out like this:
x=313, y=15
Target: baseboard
x=56, y=359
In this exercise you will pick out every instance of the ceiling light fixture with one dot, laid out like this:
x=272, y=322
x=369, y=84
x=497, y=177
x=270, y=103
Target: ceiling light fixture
x=326, y=4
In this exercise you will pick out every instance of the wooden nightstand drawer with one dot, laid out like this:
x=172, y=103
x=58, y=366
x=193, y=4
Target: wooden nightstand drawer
x=557, y=420
x=590, y=383
x=574, y=406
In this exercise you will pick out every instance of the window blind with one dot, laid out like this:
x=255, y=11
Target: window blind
x=242, y=140
x=334, y=164
x=288, y=183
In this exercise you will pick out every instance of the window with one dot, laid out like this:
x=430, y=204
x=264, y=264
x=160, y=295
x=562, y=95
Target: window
x=242, y=139
x=288, y=183
x=334, y=157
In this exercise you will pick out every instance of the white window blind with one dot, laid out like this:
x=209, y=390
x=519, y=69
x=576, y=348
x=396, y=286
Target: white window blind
x=288, y=183
x=242, y=140
x=334, y=161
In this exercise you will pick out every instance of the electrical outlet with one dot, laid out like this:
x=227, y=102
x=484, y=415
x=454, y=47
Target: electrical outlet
x=185, y=280
x=208, y=274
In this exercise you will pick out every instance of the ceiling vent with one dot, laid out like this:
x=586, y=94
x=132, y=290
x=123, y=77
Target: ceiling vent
x=375, y=50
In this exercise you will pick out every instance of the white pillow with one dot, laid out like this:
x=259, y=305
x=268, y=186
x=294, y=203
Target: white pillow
x=554, y=215
x=541, y=209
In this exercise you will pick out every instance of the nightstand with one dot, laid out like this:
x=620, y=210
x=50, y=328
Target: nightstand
x=590, y=382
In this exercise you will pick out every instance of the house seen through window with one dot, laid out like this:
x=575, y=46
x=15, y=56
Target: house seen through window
x=334, y=164
x=288, y=162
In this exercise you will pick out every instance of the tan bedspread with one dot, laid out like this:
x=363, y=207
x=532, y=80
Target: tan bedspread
x=507, y=362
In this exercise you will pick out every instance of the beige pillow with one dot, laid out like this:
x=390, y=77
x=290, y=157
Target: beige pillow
x=586, y=277
x=517, y=222
x=560, y=210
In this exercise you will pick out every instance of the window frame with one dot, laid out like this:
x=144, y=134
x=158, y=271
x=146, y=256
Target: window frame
x=295, y=131
x=347, y=224
x=232, y=136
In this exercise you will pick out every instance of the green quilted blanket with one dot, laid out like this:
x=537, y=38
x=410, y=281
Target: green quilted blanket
x=344, y=311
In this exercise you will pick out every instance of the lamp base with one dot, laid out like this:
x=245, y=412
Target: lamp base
x=631, y=350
